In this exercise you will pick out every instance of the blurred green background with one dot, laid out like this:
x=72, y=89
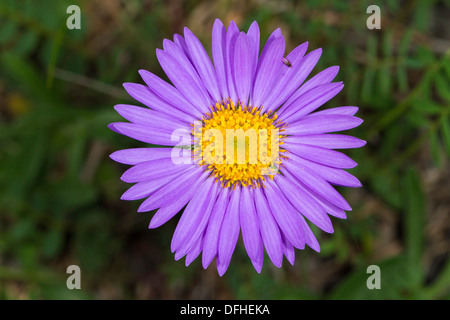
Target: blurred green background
x=59, y=191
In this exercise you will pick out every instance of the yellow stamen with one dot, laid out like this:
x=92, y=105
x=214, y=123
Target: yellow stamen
x=239, y=144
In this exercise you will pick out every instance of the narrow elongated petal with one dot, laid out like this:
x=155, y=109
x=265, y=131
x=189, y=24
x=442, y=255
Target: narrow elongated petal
x=195, y=218
x=323, y=77
x=259, y=260
x=275, y=35
x=229, y=232
x=168, y=211
x=310, y=101
x=249, y=224
x=323, y=124
x=308, y=207
x=318, y=185
x=202, y=63
x=185, y=62
x=170, y=192
x=330, y=208
x=149, y=117
x=323, y=156
x=294, y=76
x=270, y=232
x=154, y=134
x=242, y=68
x=332, y=175
x=146, y=96
x=181, y=43
x=169, y=93
x=138, y=155
x=285, y=215
x=184, y=81
x=329, y=141
x=232, y=35
x=288, y=250
x=310, y=238
x=253, y=35
x=212, y=233
x=219, y=36
x=268, y=67
x=348, y=111
x=194, y=252
x=145, y=188
x=153, y=169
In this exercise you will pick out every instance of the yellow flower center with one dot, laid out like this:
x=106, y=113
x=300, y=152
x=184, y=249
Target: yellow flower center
x=240, y=145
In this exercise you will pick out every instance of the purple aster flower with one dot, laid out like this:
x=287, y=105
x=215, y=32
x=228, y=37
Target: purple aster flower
x=241, y=148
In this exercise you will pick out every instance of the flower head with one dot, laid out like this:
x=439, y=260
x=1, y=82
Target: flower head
x=241, y=146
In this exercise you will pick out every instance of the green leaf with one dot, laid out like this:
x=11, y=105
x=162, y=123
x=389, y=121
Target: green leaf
x=385, y=74
x=422, y=15
x=435, y=147
x=25, y=44
x=7, y=31
x=442, y=87
x=29, y=78
x=395, y=282
x=52, y=243
x=445, y=129
x=414, y=223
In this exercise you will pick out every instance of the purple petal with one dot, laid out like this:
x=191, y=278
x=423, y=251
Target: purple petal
x=329, y=141
x=170, y=94
x=149, y=117
x=285, y=215
x=297, y=55
x=186, y=62
x=229, y=232
x=222, y=267
x=242, y=68
x=259, y=260
x=194, y=252
x=305, y=204
x=232, y=35
x=268, y=67
x=328, y=206
x=212, y=232
x=157, y=133
x=144, y=95
x=195, y=217
x=323, y=124
x=288, y=249
x=320, y=155
x=138, y=155
x=318, y=185
x=184, y=81
x=145, y=188
x=181, y=43
x=219, y=36
x=332, y=175
x=202, y=63
x=294, y=75
x=249, y=224
x=323, y=77
x=347, y=111
x=253, y=35
x=310, y=101
x=154, y=169
x=275, y=34
x=167, y=212
x=171, y=192
x=310, y=238
x=269, y=229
